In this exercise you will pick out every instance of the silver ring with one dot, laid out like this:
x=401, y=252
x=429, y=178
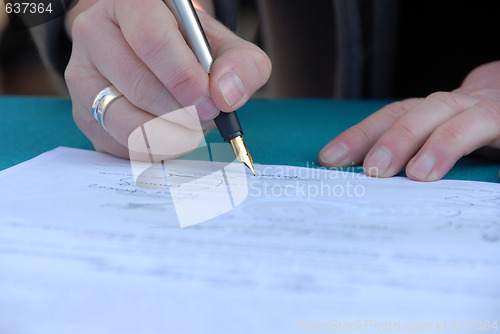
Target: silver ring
x=102, y=101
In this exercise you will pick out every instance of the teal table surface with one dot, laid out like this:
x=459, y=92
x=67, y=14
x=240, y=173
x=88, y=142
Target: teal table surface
x=284, y=132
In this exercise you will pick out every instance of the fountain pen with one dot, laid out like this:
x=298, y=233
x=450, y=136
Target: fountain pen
x=227, y=123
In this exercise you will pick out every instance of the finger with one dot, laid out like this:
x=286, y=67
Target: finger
x=152, y=138
x=152, y=33
x=168, y=136
x=403, y=139
x=350, y=147
x=117, y=62
x=468, y=131
x=82, y=80
x=240, y=67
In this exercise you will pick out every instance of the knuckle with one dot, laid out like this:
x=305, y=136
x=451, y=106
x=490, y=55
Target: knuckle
x=77, y=74
x=491, y=111
x=143, y=88
x=149, y=41
x=449, y=135
x=398, y=108
x=448, y=100
x=402, y=130
x=71, y=75
x=363, y=133
x=183, y=79
x=81, y=28
x=438, y=96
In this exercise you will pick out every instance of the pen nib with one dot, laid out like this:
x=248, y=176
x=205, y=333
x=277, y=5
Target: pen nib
x=241, y=152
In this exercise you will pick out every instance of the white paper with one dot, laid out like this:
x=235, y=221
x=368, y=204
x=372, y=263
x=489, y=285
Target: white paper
x=83, y=250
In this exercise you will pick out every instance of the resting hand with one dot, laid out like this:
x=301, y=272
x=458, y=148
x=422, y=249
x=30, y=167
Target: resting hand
x=428, y=135
x=136, y=46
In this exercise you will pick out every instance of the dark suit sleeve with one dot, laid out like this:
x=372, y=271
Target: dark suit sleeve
x=227, y=12
x=53, y=44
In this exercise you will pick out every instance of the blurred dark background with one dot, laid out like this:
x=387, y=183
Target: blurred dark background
x=439, y=42
x=21, y=70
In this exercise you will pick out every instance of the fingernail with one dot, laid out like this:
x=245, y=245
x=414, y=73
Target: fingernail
x=423, y=166
x=206, y=109
x=232, y=88
x=378, y=162
x=334, y=154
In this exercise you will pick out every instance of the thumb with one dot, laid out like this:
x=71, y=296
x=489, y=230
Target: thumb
x=240, y=68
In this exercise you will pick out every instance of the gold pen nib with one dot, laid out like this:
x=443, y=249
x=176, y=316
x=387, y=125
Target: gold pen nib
x=241, y=152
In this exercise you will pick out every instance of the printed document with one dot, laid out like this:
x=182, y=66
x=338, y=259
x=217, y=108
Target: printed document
x=91, y=244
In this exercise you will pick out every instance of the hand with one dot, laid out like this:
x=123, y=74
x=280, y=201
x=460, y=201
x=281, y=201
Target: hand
x=136, y=46
x=428, y=135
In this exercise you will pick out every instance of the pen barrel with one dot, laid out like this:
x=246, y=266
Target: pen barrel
x=192, y=30
x=228, y=125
